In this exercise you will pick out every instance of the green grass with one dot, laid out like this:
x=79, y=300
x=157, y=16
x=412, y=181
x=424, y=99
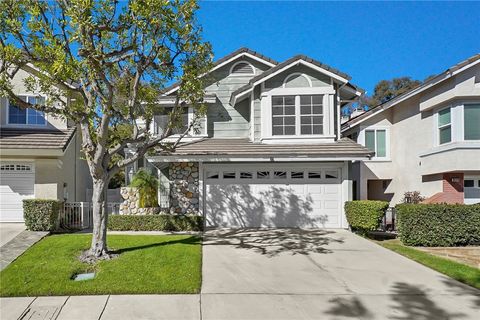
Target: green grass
x=458, y=271
x=146, y=264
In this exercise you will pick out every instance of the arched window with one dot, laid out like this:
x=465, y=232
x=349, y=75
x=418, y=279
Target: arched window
x=297, y=80
x=242, y=68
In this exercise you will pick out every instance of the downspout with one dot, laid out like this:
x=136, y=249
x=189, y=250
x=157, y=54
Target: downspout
x=339, y=106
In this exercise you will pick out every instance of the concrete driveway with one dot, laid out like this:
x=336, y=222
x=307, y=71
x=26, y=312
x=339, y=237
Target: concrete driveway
x=8, y=231
x=294, y=274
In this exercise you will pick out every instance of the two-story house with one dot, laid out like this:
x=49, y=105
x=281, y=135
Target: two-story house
x=39, y=155
x=426, y=140
x=269, y=152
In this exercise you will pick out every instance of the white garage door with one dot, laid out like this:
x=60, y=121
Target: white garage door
x=16, y=183
x=254, y=196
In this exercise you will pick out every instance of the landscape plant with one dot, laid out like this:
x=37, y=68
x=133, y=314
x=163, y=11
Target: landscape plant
x=147, y=185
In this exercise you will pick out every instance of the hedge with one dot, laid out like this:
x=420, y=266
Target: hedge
x=161, y=222
x=365, y=215
x=438, y=225
x=41, y=214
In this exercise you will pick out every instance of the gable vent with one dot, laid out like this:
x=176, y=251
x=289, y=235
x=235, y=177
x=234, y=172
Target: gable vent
x=242, y=68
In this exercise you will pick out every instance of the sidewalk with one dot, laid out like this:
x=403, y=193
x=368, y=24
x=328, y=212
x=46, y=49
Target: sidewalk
x=18, y=245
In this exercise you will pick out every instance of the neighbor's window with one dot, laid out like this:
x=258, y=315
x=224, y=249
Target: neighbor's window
x=297, y=115
x=471, y=121
x=18, y=115
x=444, y=126
x=376, y=140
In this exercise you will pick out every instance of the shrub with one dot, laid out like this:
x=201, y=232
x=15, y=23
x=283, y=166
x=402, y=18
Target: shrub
x=161, y=222
x=365, y=215
x=435, y=225
x=41, y=214
x=147, y=185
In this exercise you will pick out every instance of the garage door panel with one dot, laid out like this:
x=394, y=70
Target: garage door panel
x=272, y=203
x=16, y=183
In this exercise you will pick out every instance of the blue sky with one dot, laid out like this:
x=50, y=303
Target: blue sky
x=368, y=40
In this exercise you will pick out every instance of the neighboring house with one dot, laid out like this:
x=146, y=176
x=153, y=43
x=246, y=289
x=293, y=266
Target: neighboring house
x=39, y=156
x=426, y=140
x=269, y=152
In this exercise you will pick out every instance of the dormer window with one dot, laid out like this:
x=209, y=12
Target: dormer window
x=242, y=68
x=297, y=115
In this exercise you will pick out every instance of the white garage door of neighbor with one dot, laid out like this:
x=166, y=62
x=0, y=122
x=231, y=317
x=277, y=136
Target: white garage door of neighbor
x=253, y=196
x=16, y=183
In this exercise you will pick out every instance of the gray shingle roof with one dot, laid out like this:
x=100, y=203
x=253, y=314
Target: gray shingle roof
x=13, y=138
x=344, y=148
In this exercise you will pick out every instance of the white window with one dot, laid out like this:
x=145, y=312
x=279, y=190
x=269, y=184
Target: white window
x=283, y=115
x=162, y=119
x=444, y=126
x=471, y=121
x=17, y=115
x=376, y=139
x=297, y=115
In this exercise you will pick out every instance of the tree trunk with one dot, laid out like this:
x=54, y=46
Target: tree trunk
x=100, y=216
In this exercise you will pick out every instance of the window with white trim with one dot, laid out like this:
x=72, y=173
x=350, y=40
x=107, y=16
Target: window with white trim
x=376, y=140
x=297, y=115
x=444, y=126
x=471, y=121
x=17, y=115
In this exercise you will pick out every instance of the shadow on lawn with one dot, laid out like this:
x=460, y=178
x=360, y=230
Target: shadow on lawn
x=272, y=242
x=188, y=241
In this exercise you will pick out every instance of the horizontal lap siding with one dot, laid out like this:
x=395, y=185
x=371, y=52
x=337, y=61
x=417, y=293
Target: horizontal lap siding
x=224, y=120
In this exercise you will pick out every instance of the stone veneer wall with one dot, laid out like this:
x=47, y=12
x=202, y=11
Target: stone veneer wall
x=131, y=202
x=184, y=189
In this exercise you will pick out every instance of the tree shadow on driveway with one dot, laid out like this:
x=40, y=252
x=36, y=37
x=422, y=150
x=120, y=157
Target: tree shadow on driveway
x=272, y=242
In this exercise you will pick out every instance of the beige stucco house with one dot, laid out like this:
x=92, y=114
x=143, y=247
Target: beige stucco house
x=425, y=140
x=39, y=156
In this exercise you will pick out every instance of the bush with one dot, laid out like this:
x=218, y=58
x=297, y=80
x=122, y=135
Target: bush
x=434, y=225
x=41, y=214
x=147, y=185
x=365, y=215
x=161, y=222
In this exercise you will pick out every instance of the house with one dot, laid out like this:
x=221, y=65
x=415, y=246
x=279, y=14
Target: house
x=39, y=156
x=426, y=140
x=269, y=151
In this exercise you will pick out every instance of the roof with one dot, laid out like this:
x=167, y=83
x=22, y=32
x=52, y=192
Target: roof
x=427, y=84
x=344, y=148
x=14, y=138
x=278, y=67
x=235, y=53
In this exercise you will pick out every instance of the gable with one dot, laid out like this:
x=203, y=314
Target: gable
x=297, y=77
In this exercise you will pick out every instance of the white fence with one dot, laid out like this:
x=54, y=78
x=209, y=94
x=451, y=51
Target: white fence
x=79, y=215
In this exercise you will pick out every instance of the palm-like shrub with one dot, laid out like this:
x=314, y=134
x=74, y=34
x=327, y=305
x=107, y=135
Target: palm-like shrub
x=147, y=185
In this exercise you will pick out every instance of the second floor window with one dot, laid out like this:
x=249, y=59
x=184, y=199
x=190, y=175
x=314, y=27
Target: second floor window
x=376, y=140
x=471, y=121
x=18, y=115
x=297, y=115
x=444, y=126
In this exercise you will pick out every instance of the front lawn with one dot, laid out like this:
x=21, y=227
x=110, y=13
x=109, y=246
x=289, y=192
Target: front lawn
x=146, y=264
x=458, y=271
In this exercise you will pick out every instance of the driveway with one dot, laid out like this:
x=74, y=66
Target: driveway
x=8, y=231
x=321, y=274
